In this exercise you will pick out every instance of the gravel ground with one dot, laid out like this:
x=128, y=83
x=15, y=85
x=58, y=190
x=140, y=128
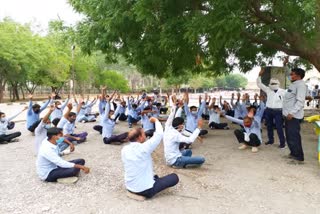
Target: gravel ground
x=231, y=181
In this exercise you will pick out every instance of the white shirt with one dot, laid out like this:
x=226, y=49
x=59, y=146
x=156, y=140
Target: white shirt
x=40, y=134
x=62, y=122
x=172, y=138
x=214, y=116
x=48, y=159
x=274, y=99
x=137, y=161
x=68, y=128
x=107, y=123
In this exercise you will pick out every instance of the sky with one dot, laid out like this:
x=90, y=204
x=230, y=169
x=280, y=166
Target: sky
x=38, y=11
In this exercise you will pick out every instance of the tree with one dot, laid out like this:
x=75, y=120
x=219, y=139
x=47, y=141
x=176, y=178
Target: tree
x=161, y=36
x=112, y=79
x=231, y=81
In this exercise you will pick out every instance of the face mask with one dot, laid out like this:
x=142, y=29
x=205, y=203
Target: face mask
x=3, y=119
x=58, y=106
x=37, y=111
x=72, y=120
x=194, y=112
x=149, y=114
x=274, y=87
x=60, y=140
x=47, y=126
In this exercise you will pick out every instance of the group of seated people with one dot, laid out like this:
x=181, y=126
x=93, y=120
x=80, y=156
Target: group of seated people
x=55, y=134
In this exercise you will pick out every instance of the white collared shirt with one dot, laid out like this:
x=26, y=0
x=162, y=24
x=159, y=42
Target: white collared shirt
x=274, y=99
x=48, y=159
x=40, y=134
x=137, y=161
x=172, y=138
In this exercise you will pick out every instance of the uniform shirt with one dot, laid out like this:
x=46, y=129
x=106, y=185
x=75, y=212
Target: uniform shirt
x=4, y=124
x=192, y=120
x=68, y=128
x=137, y=160
x=62, y=122
x=134, y=112
x=107, y=123
x=88, y=110
x=33, y=117
x=58, y=113
x=146, y=124
x=274, y=98
x=294, y=99
x=214, y=116
x=40, y=134
x=255, y=127
x=48, y=159
x=172, y=139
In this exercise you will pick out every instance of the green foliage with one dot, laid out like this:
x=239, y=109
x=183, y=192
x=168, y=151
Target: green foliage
x=167, y=36
x=112, y=79
x=231, y=81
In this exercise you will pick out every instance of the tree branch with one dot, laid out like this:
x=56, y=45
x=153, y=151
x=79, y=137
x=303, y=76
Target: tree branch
x=270, y=44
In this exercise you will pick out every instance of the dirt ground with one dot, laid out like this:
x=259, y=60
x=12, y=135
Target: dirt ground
x=230, y=181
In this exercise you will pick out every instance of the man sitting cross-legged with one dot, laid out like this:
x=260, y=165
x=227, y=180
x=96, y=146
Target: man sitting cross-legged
x=172, y=139
x=137, y=160
x=50, y=166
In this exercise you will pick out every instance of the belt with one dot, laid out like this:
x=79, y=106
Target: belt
x=275, y=109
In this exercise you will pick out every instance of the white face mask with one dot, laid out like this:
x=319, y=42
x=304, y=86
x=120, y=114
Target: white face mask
x=3, y=119
x=194, y=112
x=59, y=106
x=274, y=87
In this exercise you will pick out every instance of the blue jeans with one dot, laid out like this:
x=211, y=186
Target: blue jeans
x=186, y=159
x=133, y=120
x=62, y=146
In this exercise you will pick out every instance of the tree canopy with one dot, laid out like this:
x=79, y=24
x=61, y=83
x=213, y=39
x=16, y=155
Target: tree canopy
x=170, y=36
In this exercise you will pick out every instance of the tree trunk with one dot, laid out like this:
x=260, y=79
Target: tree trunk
x=2, y=88
x=22, y=91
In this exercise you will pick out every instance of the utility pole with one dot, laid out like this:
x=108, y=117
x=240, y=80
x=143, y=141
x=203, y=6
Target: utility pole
x=72, y=80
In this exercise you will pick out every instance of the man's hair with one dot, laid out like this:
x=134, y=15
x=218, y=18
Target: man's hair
x=193, y=107
x=53, y=131
x=72, y=114
x=55, y=121
x=158, y=104
x=247, y=118
x=147, y=108
x=134, y=134
x=177, y=121
x=299, y=71
x=215, y=107
x=36, y=106
x=134, y=106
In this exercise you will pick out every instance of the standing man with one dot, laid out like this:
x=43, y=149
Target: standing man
x=273, y=112
x=293, y=105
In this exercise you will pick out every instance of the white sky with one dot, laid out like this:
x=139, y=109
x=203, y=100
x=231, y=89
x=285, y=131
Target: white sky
x=38, y=11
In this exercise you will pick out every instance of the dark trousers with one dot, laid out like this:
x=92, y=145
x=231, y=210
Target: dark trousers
x=202, y=132
x=98, y=128
x=217, y=125
x=160, y=184
x=149, y=133
x=271, y=117
x=254, y=140
x=205, y=116
x=133, y=120
x=116, y=138
x=163, y=110
x=122, y=117
x=9, y=137
x=34, y=126
x=292, y=130
x=65, y=172
x=83, y=137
